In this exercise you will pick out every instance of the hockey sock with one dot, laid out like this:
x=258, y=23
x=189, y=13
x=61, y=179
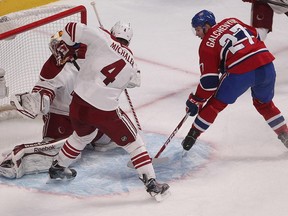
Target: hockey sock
x=73, y=147
x=272, y=115
x=140, y=158
x=208, y=114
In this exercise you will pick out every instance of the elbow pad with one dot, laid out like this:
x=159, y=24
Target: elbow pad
x=209, y=82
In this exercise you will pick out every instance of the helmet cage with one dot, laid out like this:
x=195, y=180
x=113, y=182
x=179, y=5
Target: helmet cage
x=54, y=43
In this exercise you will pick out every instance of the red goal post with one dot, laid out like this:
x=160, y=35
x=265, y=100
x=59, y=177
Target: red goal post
x=24, y=38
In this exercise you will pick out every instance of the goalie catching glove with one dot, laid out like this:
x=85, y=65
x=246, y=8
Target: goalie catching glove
x=194, y=104
x=135, y=80
x=31, y=104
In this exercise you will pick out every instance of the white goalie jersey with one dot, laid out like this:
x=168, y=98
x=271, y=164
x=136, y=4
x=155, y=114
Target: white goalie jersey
x=52, y=93
x=58, y=84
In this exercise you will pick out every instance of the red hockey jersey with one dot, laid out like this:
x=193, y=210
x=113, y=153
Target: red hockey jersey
x=229, y=46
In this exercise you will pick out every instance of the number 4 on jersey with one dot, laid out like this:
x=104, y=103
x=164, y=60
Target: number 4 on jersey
x=112, y=70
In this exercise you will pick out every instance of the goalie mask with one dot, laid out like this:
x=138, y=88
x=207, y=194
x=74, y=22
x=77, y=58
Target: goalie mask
x=122, y=30
x=54, y=43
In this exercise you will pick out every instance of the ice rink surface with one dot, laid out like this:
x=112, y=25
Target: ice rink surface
x=238, y=167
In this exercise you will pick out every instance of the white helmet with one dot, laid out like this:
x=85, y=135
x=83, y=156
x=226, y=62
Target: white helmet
x=122, y=30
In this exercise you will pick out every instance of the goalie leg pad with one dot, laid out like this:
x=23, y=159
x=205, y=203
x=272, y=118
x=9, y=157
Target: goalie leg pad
x=7, y=168
x=29, y=158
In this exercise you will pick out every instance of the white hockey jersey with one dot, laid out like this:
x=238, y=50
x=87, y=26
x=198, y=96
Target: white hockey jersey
x=58, y=83
x=108, y=69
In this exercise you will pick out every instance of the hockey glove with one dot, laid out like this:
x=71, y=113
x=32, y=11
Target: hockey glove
x=190, y=139
x=135, y=80
x=31, y=104
x=194, y=104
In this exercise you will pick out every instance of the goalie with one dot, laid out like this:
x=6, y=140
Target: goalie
x=50, y=97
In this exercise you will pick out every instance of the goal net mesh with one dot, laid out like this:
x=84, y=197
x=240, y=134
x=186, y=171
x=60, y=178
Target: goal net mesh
x=24, y=38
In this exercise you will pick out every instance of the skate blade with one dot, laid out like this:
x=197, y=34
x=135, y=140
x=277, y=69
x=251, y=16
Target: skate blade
x=184, y=153
x=161, y=197
x=58, y=180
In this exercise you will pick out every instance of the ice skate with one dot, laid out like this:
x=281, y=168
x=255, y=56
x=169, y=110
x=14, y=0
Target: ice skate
x=190, y=139
x=284, y=138
x=155, y=189
x=59, y=173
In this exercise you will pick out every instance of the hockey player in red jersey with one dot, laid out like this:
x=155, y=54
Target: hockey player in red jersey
x=232, y=60
x=108, y=70
x=262, y=14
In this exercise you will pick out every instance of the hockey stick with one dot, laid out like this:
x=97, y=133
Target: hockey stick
x=133, y=110
x=96, y=13
x=156, y=159
x=282, y=4
x=172, y=135
x=76, y=65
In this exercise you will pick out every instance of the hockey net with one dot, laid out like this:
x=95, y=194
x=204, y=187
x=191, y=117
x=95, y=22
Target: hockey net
x=24, y=38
